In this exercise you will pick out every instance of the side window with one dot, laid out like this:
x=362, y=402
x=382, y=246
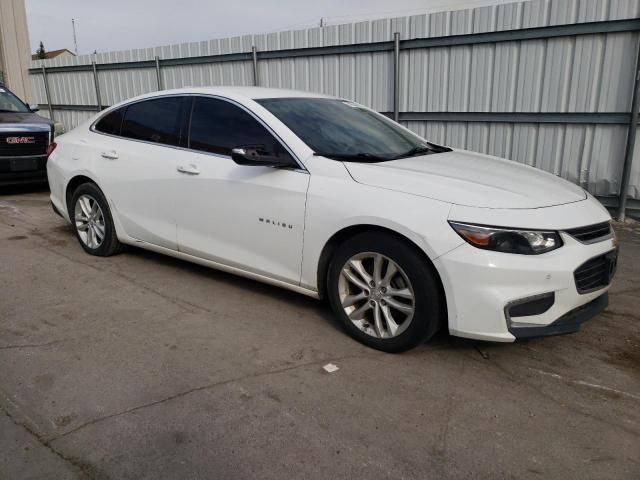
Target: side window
x=218, y=126
x=111, y=123
x=158, y=120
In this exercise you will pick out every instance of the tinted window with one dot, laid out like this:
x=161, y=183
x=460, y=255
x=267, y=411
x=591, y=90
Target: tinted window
x=158, y=120
x=217, y=126
x=342, y=128
x=111, y=122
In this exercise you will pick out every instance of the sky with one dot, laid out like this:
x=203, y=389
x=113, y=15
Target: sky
x=107, y=25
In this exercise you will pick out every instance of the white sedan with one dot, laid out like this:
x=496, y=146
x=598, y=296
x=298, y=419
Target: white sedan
x=328, y=198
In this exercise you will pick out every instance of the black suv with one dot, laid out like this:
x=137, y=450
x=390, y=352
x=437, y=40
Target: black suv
x=24, y=141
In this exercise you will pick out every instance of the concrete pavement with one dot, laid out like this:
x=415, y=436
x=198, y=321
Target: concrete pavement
x=141, y=366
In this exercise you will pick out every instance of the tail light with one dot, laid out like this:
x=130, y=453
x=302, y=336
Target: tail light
x=52, y=146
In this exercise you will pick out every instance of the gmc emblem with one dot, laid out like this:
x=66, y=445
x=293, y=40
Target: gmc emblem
x=14, y=140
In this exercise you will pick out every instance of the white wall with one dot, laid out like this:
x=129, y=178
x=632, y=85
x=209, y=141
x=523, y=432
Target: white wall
x=15, y=56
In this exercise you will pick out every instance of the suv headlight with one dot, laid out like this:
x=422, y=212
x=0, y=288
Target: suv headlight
x=508, y=240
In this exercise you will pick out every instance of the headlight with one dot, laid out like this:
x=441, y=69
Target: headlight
x=508, y=240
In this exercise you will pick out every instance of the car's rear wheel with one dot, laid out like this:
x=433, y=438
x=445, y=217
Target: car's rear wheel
x=384, y=291
x=92, y=221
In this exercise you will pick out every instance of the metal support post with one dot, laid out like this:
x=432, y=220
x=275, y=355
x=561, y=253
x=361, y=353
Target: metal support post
x=158, y=74
x=97, y=85
x=631, y=142
x=47, y=92
x=396, y=76
x=254, y=55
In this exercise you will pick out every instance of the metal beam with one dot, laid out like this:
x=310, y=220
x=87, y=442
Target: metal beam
x=515, y=117
x=76, y=108
x=329, y=50
x=492, y=117
x=589, y=28
x=536, y=33
x=613, y=203
x=226, y=57
x=631, y=141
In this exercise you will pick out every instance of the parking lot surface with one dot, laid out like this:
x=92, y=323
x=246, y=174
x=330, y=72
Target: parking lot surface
x=140, y=366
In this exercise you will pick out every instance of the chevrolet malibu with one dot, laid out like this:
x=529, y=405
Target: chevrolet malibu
x=325, y=197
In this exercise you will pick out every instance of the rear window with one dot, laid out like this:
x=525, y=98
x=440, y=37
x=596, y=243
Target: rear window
x=158, y=120
x=111, y=123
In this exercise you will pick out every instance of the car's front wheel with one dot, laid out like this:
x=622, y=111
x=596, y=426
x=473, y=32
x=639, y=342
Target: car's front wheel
x=92, y=221
x=384, y=291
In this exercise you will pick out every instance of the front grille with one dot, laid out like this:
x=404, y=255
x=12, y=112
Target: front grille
x=591, y=233
x=595, y=273
x=38, y=147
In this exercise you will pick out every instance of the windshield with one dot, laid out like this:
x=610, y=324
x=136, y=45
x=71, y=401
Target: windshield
x=10, y=103
x=344, y=130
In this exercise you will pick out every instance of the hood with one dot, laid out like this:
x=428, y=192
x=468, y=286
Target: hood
x=16, y=118
x=471, y=179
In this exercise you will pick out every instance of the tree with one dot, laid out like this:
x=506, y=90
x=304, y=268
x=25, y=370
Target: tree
x=41, y=53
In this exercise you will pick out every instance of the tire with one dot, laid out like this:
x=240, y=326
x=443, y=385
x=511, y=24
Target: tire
x=89, y=197
x=413, y=275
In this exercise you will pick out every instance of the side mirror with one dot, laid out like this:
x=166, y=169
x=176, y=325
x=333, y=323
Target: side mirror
x=34, y=107
x=257, y=155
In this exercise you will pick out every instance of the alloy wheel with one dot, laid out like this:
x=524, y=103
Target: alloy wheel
x=89, y=221
x=376, y=295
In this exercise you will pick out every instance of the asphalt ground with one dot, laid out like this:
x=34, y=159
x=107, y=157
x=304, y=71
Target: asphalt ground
x=141, y=366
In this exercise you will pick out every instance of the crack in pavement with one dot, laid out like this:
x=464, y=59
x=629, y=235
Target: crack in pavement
x=520, y=381
x=452, y=403
x=585, y=384
x=612, y=313
x=202, y=388
x=30, y=345
x=74, y=463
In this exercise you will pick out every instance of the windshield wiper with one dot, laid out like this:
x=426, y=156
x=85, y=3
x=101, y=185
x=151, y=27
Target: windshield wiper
x=352, y=157
x=420, y=149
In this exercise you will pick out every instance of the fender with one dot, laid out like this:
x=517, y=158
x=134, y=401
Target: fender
x=120, y=232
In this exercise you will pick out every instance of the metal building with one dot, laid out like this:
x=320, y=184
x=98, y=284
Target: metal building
x=548, y=83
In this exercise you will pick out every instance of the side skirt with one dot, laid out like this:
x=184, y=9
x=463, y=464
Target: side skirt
x=223, y=267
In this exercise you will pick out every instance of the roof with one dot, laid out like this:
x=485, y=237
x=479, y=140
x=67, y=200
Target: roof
x=248, y=92
x=233, y=93
x=53, y=54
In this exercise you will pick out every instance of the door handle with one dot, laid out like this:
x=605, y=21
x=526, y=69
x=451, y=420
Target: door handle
x=111, y=155
x=190, y=169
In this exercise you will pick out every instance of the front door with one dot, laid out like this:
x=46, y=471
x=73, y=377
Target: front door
x=248, y=217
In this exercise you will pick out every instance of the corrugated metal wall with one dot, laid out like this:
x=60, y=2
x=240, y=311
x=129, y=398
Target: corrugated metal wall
x=587, y=73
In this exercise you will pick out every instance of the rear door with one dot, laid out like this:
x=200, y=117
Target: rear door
x=248, y=217
x=136, y=166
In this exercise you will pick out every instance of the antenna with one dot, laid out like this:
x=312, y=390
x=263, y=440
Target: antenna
x=75, y=40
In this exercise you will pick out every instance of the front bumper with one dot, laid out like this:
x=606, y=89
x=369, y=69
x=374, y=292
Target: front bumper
x=481, y=285
x=23, y=170
x=568, y=323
